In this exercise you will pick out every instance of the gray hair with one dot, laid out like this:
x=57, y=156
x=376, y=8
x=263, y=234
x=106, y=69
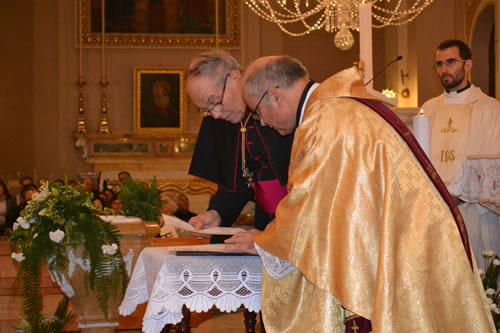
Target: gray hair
x=283, y=71
x=214, y=63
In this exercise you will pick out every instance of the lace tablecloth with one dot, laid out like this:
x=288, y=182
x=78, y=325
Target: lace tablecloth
x=168, y=282
x=478, y=181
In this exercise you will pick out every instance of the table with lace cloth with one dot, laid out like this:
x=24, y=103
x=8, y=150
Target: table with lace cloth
x=168, y=282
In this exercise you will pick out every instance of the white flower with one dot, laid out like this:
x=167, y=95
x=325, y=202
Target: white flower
x=497, y=310
x=493, y=306
x=15, y=225
x=42, y=195
x=56, y=236
x=109, y=249
x=23, y=223
x=17, y=256
x=488, y=254
x=496, y=262
x=480, y=271
x=490, y=291
x=489, y=300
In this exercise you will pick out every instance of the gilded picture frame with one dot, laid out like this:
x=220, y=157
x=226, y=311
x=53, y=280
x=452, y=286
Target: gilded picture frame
x=159, y=100
x=160, y=23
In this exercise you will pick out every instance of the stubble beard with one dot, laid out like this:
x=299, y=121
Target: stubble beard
x=455, y=80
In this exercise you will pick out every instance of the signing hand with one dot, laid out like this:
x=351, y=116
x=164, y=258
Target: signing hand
x=242, y=242
x=205, y=220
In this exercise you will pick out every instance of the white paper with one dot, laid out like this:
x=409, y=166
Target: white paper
x=178, y=223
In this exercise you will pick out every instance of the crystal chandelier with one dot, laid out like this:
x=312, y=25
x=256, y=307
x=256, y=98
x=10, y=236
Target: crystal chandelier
x=340, y=16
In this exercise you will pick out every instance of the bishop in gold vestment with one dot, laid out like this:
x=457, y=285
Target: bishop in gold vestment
x=367, y=224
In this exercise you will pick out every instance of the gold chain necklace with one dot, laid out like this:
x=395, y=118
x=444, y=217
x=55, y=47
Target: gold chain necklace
x=247, y=174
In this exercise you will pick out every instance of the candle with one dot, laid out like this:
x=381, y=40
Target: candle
x=216, y=24
x=365, y=40
x=103, y=37
x=80, y=58
x=422, y=130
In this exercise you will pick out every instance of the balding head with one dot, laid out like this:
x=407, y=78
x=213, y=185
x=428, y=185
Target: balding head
x=215, y=64
x=273, y=71
x=273, y=86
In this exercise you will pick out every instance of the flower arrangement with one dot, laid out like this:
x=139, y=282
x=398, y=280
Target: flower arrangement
x=140, y=200
x=56, y=218
x=491, y=284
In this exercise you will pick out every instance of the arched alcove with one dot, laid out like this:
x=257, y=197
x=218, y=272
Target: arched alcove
x=483, y=48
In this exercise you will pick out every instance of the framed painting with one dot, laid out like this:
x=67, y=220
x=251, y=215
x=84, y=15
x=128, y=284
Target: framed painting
x=160, y=23
x=159, y=100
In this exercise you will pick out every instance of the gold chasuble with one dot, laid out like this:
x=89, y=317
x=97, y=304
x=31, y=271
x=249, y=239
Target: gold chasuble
x=366, y=228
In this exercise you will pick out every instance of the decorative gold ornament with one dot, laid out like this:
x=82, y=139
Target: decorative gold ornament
x=230, y=38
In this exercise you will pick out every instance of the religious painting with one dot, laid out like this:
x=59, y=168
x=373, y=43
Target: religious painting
x=161, y=23
x=159, y=101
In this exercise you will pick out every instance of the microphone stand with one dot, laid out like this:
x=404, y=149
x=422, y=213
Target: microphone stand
x=380, y=71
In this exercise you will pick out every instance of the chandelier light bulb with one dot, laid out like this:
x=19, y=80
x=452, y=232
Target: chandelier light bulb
x=344, y=39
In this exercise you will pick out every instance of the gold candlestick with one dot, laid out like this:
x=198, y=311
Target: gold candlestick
x=81, y=127
x=104, y=126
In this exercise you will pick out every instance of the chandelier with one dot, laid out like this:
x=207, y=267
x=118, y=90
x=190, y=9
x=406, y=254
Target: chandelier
x=335, y=16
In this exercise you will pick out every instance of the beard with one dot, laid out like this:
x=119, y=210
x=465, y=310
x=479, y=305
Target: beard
x=452, y=81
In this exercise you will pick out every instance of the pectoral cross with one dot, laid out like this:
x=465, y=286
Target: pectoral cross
x=246, y=173
x=354, y=327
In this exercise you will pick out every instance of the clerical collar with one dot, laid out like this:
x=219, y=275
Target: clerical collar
x=310, y=87
x=460, y=90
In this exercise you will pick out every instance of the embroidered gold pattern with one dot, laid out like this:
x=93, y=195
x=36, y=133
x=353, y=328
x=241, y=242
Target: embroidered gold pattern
x=447, y=155
x=449, y=129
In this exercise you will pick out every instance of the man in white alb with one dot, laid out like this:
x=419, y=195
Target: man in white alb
x=465, y=125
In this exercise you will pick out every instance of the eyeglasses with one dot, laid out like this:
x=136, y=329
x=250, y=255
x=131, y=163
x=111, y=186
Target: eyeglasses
x=208, y=112
x=448, y=62
x=255, y=112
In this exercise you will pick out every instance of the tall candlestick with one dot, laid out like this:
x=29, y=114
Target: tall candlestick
x=80, y=57
x=103, y=37
x=216, y=24
x=365, y=40
x=422, y=131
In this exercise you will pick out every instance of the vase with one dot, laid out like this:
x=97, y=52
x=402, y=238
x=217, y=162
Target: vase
x=135, y=235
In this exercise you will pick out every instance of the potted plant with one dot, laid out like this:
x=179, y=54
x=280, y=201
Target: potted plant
x=57, y=223
x=140, y=200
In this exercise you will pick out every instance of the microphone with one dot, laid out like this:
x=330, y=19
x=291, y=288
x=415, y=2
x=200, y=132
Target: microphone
x=380, y=71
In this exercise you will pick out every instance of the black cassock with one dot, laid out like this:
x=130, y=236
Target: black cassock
x=217, y=158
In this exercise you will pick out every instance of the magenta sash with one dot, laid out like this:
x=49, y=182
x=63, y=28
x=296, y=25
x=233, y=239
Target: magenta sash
x=268, y=194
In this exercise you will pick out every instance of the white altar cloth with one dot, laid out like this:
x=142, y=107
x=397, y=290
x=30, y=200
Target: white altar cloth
x=477, y=184
x=168, y=282
x=478, y=181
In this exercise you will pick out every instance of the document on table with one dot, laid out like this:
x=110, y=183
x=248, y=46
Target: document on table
x=178, y=223
x=205, y=250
